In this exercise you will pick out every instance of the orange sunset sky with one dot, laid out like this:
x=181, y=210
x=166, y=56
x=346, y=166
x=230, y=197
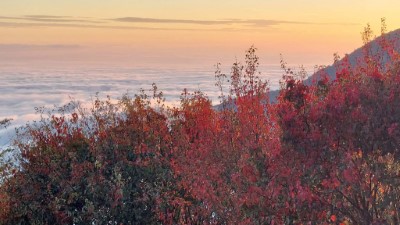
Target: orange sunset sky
x=185, y=32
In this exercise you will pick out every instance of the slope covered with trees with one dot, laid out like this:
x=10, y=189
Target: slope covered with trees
x=325, y=153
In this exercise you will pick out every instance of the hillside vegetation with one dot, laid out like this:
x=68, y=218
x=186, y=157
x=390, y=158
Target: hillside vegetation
x=327, y=152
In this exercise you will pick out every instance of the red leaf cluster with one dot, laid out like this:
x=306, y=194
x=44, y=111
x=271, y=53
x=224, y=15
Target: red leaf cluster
x=326, y=153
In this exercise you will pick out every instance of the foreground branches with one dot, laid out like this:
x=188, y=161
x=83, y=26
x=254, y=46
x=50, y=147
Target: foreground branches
x=326, y=153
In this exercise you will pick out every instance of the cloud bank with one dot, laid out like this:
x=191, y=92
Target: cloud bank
x=21, y=91
x=146, y=23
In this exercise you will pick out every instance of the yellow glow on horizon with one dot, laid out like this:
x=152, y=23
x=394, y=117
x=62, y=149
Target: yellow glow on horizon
x=288, y=26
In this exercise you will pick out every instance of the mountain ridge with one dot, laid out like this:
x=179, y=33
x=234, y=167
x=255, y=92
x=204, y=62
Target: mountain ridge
x=376, y=49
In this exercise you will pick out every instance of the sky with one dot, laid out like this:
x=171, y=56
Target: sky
x=54, y=50
x=175, y=33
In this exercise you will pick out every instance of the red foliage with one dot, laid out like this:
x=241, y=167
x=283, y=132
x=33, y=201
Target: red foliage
x=324, y=153
x=341, y=141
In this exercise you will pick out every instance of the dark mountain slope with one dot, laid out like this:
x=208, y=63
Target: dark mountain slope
x=374, y=48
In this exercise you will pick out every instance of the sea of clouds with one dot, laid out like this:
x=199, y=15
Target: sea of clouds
x=24, y=89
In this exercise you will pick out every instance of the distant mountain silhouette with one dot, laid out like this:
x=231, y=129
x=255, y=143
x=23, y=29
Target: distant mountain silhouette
x=354, y=58
x=392, y=37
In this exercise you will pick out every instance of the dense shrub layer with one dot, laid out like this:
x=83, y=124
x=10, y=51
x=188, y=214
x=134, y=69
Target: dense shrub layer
x=327, y=153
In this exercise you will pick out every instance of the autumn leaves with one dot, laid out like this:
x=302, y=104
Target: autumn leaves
x=322, y=154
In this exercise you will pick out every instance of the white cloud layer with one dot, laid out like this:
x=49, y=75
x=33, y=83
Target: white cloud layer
x=22, y=89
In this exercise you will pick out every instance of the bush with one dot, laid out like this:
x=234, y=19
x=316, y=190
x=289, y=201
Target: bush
x=325, y=153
